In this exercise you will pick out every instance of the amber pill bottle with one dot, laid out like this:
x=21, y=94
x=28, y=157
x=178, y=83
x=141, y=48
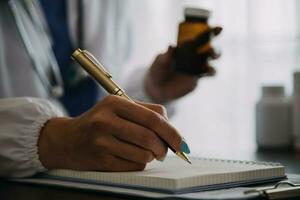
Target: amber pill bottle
x=195, y=23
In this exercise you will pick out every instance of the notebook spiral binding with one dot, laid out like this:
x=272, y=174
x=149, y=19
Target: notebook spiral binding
x=237, y=161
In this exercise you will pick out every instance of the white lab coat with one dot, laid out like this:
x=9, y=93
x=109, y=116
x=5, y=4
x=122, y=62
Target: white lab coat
x=108, y=36
x=21, y=119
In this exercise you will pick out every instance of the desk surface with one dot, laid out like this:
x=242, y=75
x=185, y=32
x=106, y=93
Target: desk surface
x=17, y=191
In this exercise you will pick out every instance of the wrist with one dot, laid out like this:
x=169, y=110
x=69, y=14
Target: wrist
x=153, y=92
x=52, y=143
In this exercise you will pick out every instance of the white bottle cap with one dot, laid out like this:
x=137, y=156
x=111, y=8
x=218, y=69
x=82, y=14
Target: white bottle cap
x=197, y=12
x=297, y=82
x=272, y=91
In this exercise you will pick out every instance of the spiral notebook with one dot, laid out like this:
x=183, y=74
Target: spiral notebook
x=175, y=176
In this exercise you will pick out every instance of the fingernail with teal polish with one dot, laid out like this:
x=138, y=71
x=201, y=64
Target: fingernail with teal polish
x=184, y=147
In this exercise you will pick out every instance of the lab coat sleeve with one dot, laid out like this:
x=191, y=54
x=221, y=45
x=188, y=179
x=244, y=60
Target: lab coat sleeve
x=135, y=88
x=21, y=120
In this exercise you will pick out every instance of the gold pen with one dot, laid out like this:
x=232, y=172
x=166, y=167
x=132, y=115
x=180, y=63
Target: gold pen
x=93, y=67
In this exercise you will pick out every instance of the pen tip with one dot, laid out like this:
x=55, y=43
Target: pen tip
x=183, y=156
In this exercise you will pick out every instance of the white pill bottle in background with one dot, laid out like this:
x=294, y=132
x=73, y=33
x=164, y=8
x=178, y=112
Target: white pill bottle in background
x=274, y=119
x=296, y=111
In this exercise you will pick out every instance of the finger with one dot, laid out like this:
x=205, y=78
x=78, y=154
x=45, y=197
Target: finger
x=151, y=120
x=127, y=151
x=188, y=49
x=186, y=59
x=204, y=37
x=203, y=70
x=139, y=136
x=155, y=107
x=165, y=58
x=116, y=164
x=171, y=50
x=210, y=71
x=197, y=63
x=209, y=54
x=217, y=30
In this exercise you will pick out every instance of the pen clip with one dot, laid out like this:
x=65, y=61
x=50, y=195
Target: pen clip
x=97, y=63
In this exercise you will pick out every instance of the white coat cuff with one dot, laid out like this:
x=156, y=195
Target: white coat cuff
x=32, y=133
x=21, y=122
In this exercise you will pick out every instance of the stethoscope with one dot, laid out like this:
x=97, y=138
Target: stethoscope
x=55, y=85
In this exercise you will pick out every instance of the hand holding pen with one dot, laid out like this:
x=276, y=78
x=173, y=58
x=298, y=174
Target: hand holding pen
x=115, y=135
x=103, y=77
